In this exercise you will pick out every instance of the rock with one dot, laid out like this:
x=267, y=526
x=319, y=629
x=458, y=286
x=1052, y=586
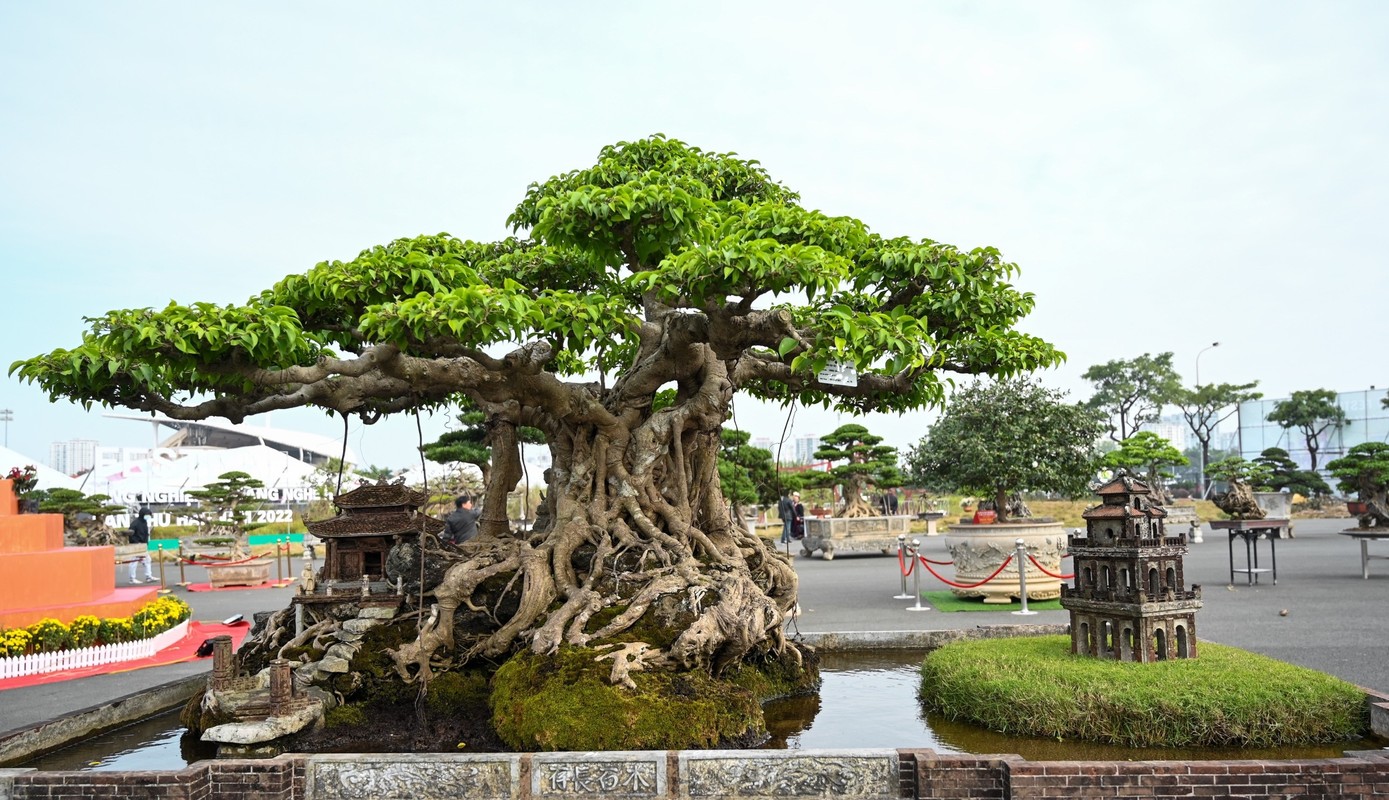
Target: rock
x=334, y=664
x=361, y=625
x=265, y=730
x=377, y=612
x=341, y=650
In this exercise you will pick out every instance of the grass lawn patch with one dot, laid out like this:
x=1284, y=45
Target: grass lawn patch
x=945, y=600
x=1226, y=697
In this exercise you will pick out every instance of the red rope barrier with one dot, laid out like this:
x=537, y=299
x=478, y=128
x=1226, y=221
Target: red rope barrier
x=1046, y=571
x=902, y=562
x=937, y=563
x=949, y=582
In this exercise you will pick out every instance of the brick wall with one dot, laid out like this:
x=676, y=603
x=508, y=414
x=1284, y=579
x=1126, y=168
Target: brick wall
x=1363, y=775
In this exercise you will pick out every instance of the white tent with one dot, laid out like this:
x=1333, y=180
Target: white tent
x=49, y=478
x=166, y=478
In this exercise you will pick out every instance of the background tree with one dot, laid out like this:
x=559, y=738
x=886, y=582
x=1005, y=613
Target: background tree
x=1205, y=408
x=866, y=462
x=1132, y=392
x=1312, y=412
x=1147, y=455
x=1284, y=473
x=222, y=507
x=1009, y=436
x=470, y=443
x=1365, y=471
x=661, y=266
x=746, y=473
x=376, y=474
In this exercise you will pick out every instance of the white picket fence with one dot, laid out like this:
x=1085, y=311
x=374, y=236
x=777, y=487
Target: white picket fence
x=19, y=666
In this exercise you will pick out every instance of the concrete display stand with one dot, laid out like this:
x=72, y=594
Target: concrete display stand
x=854, y=534
x=244, y=573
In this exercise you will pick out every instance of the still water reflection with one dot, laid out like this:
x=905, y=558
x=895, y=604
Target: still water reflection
x=868, y=699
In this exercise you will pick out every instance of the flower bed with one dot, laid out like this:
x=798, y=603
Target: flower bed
x=48, y=645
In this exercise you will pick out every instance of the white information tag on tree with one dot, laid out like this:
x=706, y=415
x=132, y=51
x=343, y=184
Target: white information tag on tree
x=839, y=373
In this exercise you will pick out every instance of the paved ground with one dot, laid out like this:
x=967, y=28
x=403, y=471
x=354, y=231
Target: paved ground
x=1336, y=622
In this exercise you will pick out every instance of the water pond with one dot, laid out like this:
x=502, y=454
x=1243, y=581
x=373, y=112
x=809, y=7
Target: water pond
x=869, y=699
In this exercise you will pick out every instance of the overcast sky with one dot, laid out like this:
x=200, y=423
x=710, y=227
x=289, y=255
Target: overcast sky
x=1166, y=174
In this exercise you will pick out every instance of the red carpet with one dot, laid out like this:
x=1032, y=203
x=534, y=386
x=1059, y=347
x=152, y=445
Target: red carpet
x=207, y=587
x=183, y=650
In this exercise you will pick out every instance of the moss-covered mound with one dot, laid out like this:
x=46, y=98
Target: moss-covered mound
x=565, y=702
x=1227, y=697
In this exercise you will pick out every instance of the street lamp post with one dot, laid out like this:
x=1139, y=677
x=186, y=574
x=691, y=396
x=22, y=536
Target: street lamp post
x=1202, y=487
x=7, y=416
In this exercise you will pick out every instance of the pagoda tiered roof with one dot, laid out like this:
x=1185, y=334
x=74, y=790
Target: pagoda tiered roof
x=1124, y=497
x=381, y=495
x=365, y=523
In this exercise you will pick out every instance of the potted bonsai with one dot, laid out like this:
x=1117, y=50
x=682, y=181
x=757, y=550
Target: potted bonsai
x=1364, y=470
x=997, y=441
x=26, y=481
x=222, y=514
x=1243, y=479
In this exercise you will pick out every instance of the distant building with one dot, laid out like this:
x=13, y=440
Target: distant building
x=1366, y=421
x=1174, y=429
x=73, y=456
x=805, y=447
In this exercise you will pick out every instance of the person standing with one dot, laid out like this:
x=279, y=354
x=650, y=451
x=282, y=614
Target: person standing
x=797, y=517
x=786, y=510
x=461, y=525
x=140, y=534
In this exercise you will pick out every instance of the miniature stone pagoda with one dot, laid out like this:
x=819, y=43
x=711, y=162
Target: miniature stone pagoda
x=373, y=518
x=1128, y=602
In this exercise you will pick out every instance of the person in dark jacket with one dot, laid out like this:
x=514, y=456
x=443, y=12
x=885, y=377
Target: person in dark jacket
x=461, y=525
x=786, y=510
x=140, y=534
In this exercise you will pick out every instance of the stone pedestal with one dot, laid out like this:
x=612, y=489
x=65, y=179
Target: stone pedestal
x=244, y=573
x=978, y=550
x=854, y=534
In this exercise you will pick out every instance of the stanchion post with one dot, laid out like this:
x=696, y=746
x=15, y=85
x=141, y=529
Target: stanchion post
x=279, y=563
x=901, y=560
x=916, y=578
x=182, y=579
x=1021, y=557
x=159, y=553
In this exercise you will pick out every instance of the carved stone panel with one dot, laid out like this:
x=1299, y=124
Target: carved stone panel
x=823, y=773
x=404, y=776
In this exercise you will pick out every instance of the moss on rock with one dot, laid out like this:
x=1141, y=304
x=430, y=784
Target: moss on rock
x=565, y=702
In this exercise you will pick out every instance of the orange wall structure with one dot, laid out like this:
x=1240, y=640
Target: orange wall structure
x=40, y=578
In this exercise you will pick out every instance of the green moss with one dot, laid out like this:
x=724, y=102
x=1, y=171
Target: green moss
x=564, y=702
x=1225, y=697
x=346, y=715
x=457, y=692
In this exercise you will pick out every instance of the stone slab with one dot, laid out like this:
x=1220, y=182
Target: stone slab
x=763, y=775
x=407, y=776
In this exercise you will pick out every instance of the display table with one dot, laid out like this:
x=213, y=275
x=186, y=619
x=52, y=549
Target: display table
x=1365, y=536
x=1251, y=531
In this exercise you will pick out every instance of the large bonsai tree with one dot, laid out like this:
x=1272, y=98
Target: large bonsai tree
x=1009, y=436
x=661, y=266
x=1312, y=412
x=866, y=462
x=223, y=507
x=1364, y=469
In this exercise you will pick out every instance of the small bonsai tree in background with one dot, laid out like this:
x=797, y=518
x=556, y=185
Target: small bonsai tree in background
x=1284, y=474
x=1242, y=478
x=1148, y=456
x=746, y=473
x=84, y=516
x=1012, y=436
x=223, y=505
x=866, y=462
x=1313, y=412
x=1365, y=471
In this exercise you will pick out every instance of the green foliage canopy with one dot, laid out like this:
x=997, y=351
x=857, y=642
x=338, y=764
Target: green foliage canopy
x=1133, y=391
x=1147, y=453
x=657, y=248
x=1364, y=469
x=1006, y=437
x=1311, y=411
